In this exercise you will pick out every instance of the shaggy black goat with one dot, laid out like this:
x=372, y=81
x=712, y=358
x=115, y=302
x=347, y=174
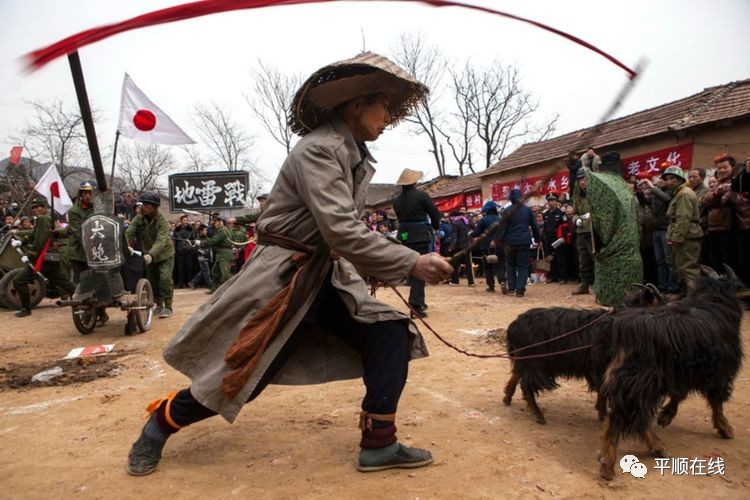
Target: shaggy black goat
x=692, y=344
x=538, y=325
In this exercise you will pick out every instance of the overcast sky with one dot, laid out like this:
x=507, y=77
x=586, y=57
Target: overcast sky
x=690, y=45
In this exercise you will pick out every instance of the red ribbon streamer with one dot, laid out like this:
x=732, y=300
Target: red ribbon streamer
x=40, y=57
x=40, y=259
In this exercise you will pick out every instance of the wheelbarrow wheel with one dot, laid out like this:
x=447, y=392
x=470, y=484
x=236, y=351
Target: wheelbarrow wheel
x=144, y=298
x=9, y=294
x=84, y=317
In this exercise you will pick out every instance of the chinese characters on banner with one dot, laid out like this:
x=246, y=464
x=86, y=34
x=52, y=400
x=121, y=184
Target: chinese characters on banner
x=643, y=166
x=473, y=200
x=208, y=190
x=557, y=184
x=647, y=165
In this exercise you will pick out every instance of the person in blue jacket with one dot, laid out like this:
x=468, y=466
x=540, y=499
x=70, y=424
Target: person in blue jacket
x=516, y=232
x=491, y=248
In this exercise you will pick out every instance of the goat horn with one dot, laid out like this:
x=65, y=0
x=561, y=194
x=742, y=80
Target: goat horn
x=657, y=293
x=640, y=285
x=730, y=273
x=709, y=271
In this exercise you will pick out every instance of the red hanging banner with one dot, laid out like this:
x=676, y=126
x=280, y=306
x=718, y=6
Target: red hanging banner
x=557, y=184
x=647, y=165
x=15, y=155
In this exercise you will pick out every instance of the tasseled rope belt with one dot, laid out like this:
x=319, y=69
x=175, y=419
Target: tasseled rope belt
x=243, y=355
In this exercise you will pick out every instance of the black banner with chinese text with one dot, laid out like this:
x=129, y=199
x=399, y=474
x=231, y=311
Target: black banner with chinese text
x=208, y=190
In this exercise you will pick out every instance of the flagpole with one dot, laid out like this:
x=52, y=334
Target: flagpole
x=112, y=173
x=88, y=120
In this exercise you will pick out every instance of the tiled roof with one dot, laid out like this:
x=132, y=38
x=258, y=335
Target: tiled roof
x=722, y=102
x=465, y=184
x=380, y=194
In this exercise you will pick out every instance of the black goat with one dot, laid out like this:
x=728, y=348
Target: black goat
x=540, y=324
x=692, y=344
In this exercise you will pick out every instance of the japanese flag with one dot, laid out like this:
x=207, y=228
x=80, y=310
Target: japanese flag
x=142, y=120
x=51, y=187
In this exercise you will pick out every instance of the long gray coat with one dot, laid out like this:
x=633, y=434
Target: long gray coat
x=318, y=196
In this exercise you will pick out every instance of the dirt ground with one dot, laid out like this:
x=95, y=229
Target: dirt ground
x=70, y=438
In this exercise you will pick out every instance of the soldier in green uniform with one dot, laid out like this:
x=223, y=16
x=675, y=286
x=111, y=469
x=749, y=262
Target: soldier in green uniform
x=239, y=235
x=151, y=230
x=684, y=232
x=243, y=220
x=221, y=242
x=583, y=228
x=43, y=231
x=82, y=210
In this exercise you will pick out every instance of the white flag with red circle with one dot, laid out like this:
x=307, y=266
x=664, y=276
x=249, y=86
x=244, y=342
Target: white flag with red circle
x=142, y=120
x=51, y=187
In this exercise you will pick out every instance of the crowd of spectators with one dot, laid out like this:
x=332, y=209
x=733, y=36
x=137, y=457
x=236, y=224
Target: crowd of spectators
x=562, y=230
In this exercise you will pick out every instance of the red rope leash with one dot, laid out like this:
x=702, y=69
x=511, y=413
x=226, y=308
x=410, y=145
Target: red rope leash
x=507, y=355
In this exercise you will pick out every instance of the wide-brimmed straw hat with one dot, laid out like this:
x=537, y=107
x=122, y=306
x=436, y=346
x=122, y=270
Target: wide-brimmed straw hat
x=409, y=176
x=368, y=73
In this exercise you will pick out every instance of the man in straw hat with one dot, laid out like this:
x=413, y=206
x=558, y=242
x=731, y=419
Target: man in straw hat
x=305, y=272
x=418, y=217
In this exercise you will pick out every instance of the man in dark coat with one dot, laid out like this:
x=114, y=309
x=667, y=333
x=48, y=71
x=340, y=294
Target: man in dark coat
x=418, y=219
x=184, y=236
x=516, y=230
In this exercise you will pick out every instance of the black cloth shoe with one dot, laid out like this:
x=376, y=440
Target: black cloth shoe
x=504, y=288
x=23, y=312
x=403, y=458
x=145, y=453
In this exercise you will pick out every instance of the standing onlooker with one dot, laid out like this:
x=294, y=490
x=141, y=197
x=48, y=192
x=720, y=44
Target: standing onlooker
x=584, y=233
x=446, y=235
x=491, y=248
x=684, y=233
x=418, y=218
x=658, y=198
x=516, y=231
x=696, y=181
x=184, y=235
x=738, y=198
x=565, y=252
x=461, y=241
x=721, y=241
x=552, y=218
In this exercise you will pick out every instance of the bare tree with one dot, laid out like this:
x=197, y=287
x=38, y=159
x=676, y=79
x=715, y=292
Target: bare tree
x=458, y=133
x=195, y=161
x=270, y=100
x=229, y=141
x=427, y=64
x=142, y=165
x=55, y=134
x=500, y=109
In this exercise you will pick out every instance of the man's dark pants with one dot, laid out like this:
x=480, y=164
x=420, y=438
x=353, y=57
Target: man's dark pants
x=416, y=291
x=385, y=351
x=517, y=262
